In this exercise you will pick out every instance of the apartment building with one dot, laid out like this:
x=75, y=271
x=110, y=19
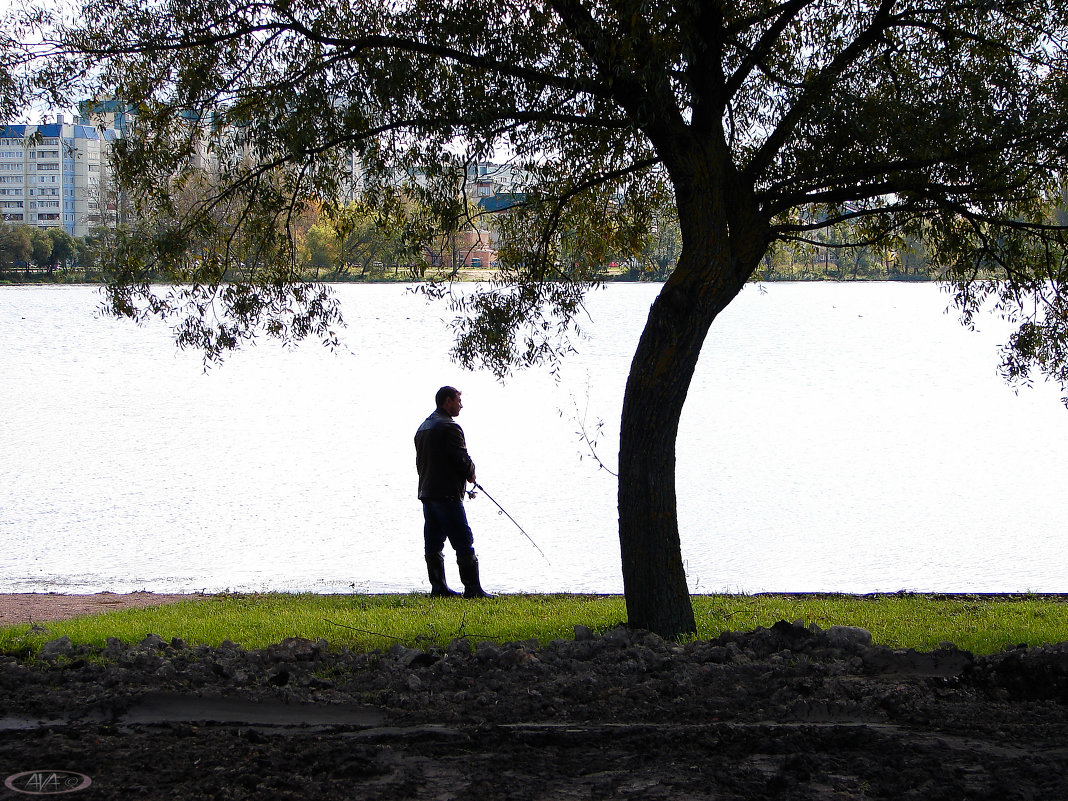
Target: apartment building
x=54, y=175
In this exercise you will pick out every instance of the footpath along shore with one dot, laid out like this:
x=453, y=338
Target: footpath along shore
x=43, y=607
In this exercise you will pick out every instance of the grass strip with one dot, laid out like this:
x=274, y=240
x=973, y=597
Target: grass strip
x=976, y=623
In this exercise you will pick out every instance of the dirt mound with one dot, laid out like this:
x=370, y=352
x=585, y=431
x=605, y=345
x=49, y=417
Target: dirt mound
x=787, y=712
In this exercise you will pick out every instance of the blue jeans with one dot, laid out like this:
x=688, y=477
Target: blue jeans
x=446, y=520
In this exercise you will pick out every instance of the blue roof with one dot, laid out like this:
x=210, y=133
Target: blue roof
x=52, y=129
x=501, y=201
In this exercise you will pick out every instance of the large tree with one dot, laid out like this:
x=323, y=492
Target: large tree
x=762, y=122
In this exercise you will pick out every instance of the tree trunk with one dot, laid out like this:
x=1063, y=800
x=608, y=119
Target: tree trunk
x=710, y=273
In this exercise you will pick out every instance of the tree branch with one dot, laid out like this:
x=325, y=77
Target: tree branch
x=815, y=89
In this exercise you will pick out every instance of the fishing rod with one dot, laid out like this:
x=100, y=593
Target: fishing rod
x=505, y=513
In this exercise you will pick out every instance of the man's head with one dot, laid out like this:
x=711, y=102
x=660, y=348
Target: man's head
x=448, y=401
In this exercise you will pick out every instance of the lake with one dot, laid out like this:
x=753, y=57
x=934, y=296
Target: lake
x=837, y=437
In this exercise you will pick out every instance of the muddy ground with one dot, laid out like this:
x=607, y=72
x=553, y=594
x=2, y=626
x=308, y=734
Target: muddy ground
x=791, y=712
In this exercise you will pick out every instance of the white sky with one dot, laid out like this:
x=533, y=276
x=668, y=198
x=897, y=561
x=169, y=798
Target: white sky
x=37, y=113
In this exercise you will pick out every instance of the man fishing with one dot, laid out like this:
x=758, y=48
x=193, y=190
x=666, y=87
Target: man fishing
x=445, y=468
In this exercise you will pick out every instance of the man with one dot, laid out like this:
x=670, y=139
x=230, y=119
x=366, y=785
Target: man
x=445, y=468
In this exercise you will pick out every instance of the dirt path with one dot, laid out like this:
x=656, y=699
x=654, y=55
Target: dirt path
x=41, y=607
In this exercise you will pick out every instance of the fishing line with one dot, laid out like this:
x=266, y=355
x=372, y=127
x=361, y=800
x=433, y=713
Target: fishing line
x=505, y=513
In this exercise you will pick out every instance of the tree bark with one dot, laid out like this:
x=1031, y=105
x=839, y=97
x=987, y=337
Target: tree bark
x=710, y=273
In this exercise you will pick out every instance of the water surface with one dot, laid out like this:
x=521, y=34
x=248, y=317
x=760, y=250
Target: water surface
x=837, y=437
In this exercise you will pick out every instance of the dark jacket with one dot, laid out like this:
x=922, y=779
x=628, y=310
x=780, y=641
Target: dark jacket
x=441, y=458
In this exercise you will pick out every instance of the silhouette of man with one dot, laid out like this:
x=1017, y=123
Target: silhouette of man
x=445, y=468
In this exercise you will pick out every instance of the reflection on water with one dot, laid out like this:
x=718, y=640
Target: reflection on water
x=836, y=437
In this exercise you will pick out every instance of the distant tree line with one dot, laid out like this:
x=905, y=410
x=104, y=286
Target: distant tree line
x=828, y=256
x=30, y=254
x=353, y=242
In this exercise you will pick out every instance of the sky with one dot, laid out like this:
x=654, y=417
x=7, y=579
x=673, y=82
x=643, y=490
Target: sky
x=37, y=113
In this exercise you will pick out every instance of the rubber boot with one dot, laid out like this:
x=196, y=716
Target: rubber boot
x=469, y=576
x=435, y=569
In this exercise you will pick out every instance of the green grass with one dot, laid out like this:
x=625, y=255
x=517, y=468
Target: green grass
x=365, y=622
x=976, y=623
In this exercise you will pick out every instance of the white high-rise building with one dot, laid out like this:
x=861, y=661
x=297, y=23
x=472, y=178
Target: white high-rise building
x=55, y=175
